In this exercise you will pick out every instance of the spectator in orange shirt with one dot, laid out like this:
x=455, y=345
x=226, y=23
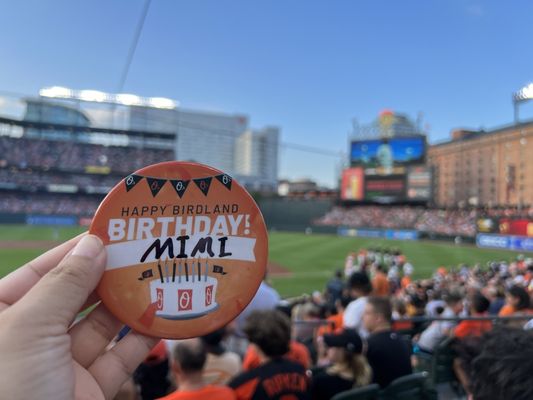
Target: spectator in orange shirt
x=334, y=325
x=335, y=320
x=189, y=360
x=405, y=281
x=276, y=377
x=478, y=308
x=516, y=300
x=399, y=311
x=380, y=283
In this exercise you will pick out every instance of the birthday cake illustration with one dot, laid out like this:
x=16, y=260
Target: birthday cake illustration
x=183, y=291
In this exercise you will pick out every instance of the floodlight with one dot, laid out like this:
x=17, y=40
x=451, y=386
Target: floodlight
x=92, y=95
x=56, y=92
x=128, y=99
x=526, y=93
x=161, y=102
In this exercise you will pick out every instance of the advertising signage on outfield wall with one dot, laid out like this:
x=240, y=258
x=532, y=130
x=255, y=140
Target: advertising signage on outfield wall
x=506, y=226
x=65, y=220
x=518, y=243
x=396, y=234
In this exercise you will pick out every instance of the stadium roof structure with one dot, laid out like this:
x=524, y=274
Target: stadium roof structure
x=96, y=96
x=387, y=124
x=85, y=129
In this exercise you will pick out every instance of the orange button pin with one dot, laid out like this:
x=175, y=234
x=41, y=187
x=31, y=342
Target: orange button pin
x=186, y=249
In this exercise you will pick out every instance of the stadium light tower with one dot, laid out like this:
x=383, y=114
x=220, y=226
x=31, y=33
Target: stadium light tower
x=95, y=96
x=521, y=96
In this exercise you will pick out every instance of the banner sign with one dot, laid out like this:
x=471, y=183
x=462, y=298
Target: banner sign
x=65, y=220
x=393, y=234
x=506, y=242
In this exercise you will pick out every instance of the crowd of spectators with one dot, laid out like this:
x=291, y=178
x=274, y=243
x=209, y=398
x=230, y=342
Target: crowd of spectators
x=32, y=180
x=372, y=325
x=75, y=156
x=509, y=212
x=372, y=217
x=66, y=174
x=444, y=222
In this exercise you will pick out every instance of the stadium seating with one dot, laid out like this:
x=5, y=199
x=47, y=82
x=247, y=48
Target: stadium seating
x=439, y=364
x=370, y=392
x=410, y=387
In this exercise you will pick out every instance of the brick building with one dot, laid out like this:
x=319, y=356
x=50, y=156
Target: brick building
x=484, y=167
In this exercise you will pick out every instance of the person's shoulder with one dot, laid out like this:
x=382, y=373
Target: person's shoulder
x=382, y=337
x=172, y=396
x=448, y=313
x=244, y=377
x=325, y=378
x=284, y=365
x=269, y=290
x=357, y=303
x=232, y=357
x=213, y=392
x=298, y=347
x=321, y=380
x=229, y=356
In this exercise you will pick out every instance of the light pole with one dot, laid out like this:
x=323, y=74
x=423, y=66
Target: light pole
x=522, y=95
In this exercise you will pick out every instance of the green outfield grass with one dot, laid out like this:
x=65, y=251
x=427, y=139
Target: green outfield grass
x=313, y=258
x=13, y=258
x=310, y=258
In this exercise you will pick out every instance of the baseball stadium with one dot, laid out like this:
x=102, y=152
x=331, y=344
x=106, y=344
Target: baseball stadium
x=154, y=251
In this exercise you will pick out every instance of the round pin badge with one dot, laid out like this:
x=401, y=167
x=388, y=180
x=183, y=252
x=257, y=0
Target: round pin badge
x=186, y=249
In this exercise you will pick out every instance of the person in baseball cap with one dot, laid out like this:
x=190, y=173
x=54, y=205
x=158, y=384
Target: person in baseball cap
x=347, y=339
x=349, y=367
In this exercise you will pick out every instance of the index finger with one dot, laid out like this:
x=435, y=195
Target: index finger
x=19, y=282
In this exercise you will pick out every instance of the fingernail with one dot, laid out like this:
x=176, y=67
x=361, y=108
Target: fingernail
x=90, y=246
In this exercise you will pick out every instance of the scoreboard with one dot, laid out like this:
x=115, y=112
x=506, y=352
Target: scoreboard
x=387, y=171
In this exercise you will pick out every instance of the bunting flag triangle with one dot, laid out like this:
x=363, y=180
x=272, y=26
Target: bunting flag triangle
x=131, y=181
x=179, y=186
x=225, y=180
x=155, y=185
x=203, y=184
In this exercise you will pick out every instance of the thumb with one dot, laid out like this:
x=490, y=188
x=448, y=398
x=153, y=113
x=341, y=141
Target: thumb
x=59, y=295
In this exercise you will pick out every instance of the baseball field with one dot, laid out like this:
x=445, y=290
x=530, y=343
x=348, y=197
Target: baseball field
x=298, y=263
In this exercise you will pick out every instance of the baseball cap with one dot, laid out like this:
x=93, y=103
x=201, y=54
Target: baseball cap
x=348, y=339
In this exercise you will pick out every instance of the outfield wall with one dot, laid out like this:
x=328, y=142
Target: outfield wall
x=295, y=215
x=392, y=234
x=40, y=219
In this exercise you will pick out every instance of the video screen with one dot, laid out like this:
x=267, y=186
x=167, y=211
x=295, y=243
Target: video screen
x=386, y=155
